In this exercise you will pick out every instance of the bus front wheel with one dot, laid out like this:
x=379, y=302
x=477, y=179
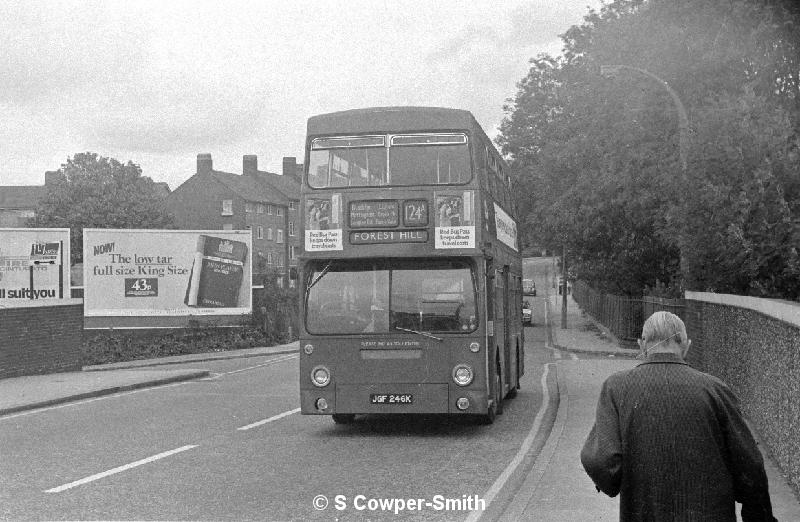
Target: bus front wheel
x=496, y=407
x=343, y=418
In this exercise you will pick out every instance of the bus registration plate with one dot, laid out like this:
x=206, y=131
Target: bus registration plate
x=391, y=398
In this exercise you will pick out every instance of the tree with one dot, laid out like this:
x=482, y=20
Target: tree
x=98, y=192
x=597, y=159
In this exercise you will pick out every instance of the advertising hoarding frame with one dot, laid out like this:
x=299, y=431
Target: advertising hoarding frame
x=24, y=260
x=166, y=278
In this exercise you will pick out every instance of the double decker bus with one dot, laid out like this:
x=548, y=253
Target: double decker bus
x=411, y=277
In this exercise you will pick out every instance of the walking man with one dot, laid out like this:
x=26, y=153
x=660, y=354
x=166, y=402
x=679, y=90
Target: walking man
x=671, y=440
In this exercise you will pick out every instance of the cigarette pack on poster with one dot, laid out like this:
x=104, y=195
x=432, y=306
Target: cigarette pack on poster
x=217, y=273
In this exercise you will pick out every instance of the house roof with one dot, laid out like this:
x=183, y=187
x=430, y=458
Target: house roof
x=250, y=188
x=22, y=196
x=161, y=188
x=287, y=185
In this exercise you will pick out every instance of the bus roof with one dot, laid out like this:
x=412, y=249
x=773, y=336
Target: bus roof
x=391, y=119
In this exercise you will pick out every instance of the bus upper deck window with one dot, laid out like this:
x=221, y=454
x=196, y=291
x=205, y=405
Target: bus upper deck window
x=429, y=159
x=347, y=162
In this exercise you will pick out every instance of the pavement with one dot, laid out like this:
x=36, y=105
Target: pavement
x=38, y=391
x=555, y=488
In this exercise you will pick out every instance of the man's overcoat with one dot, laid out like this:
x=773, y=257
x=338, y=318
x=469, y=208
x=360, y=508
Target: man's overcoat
x=672, y=442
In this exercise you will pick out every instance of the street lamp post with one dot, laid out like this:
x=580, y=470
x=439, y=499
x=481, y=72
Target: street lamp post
x=563, y=289
x=683, y=119
x=611, y=71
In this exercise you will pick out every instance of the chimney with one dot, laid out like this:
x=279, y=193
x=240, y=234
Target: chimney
x=249, y=164
x=290, y=166
x=204, y=164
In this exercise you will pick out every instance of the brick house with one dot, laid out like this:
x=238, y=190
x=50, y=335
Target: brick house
x=18, y=203
x=263, y=202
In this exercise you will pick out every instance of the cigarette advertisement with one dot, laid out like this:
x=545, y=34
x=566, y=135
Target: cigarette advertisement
x=166, y=272
x=34, y=265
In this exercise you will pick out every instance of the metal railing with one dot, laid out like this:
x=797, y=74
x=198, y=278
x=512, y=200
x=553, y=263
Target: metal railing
x=623, y=316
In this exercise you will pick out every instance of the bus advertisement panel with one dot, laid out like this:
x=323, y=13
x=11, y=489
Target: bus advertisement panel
x=34, y=265
x=506, y=228
x=166, y=272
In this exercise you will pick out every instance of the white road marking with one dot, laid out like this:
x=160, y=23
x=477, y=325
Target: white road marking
x=98, y=476
x=268, y=363
x=274, y=418
x=523, y=450
x=86, y=401
x=139, y=390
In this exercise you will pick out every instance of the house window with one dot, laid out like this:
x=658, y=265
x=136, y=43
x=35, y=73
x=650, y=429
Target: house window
x=227, y=207
x=279, y=211
x=269, y=258
x=291, y=205
x=280, y=236
x=269, y=210
x=269, y=233
x=279, y=259
x=293, y=252
x=260, y=232
x=291, y=228
x=248, y=207
x=260, y=208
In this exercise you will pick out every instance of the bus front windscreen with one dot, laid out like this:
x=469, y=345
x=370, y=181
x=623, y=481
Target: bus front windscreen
x=391, y=296
x=413, y=159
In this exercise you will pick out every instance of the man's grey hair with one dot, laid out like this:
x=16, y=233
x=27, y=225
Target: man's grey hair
x=662, y=326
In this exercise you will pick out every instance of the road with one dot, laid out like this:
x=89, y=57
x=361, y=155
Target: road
x=234, y=447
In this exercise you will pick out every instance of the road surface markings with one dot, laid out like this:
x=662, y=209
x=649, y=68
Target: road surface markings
x=274, y=418
x=523, y=450
x=98, y=476
x=86, y=401
x=138, y=390
x=268, y=363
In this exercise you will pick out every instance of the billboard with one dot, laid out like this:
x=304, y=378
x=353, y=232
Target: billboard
x=166, y=273
x=34, y=265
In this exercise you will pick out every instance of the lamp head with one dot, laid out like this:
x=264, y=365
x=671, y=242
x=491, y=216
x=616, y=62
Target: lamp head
x=609, y=71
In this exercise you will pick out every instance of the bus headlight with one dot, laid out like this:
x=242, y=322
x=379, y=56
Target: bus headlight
x=462, y=374
x=320, y=376
x=462, y=403
x=321, y=404
x=474, y=347
x=308, y=349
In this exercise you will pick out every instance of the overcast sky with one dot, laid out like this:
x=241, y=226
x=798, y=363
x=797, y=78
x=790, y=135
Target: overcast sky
x=158, y=82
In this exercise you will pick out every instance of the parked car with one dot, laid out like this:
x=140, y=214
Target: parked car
x=527, y=313
x=528, y=287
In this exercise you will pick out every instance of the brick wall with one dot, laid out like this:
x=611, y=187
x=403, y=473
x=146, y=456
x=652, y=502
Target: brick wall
x=754, y=346
x=37, y=339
